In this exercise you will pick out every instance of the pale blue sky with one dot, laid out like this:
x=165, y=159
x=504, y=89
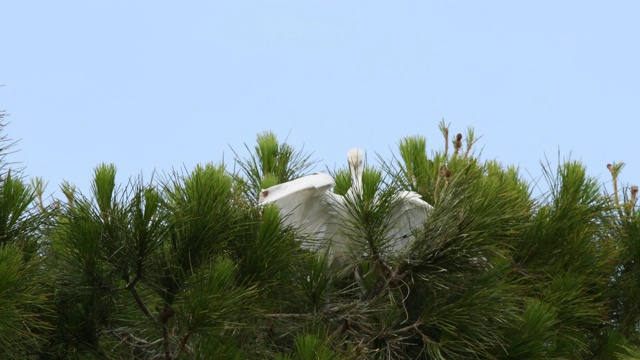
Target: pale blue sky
x=160, y=85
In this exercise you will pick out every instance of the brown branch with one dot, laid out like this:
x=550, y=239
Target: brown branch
x=182, y=345
x=164, y=317
x=165, y=342
x=140, y=303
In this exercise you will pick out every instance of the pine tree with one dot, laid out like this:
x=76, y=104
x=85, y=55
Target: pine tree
x=23, y=300
x=190, y=266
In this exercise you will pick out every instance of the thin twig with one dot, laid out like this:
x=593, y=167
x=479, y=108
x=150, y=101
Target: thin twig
x=444, y=129
x=287, y=316
x=435, y=193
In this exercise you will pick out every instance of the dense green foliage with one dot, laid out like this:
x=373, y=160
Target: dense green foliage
x=190, y=266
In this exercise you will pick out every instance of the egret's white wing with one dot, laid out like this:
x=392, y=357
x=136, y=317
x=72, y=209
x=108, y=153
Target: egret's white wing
x=408, y=215
x=314, y=183
x=333, y=231
x=302, y=203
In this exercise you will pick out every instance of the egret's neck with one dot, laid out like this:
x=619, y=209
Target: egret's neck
x=356, y=178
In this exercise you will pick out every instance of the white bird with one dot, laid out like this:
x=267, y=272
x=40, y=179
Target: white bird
x=309, y=204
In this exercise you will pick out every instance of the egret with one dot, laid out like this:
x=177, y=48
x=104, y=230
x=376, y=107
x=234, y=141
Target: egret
x=322, y=215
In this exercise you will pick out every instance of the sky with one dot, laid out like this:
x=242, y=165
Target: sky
x=158, y=85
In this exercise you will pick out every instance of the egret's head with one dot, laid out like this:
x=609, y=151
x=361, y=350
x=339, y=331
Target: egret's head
x=356, y=161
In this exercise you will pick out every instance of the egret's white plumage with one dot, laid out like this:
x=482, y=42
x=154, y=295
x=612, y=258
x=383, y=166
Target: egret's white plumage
x=309, y=204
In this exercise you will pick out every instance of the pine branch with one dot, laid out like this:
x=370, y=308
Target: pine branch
x=140, y=303
x=164, y=317
x=182, y=345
